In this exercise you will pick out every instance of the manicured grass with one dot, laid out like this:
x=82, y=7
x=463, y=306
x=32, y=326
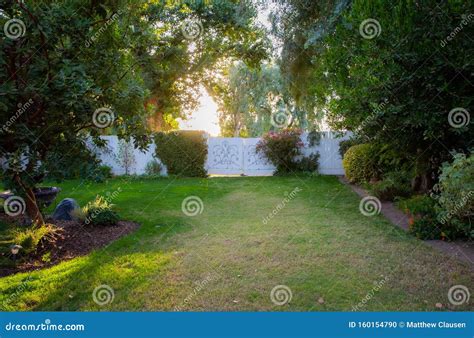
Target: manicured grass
x=228, y=258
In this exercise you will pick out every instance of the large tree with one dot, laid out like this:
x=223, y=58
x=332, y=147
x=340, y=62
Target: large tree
x=71, y=69
x=399, y=75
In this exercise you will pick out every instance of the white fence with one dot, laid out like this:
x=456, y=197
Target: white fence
x=228, y=156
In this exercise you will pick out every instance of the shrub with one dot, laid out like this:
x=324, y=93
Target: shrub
x=426, y=228
x=73, y=163
x=282, y=148
x=183, y=152
x=99, y=212
x=359, y=163
x=422, y=224
x=454, y=194
x=28, y=238
x=153, y=168
x=419, y=205
x=395, y=184
x=423, y=219
x=309, y=164
x=105, y=171
x=344, y=145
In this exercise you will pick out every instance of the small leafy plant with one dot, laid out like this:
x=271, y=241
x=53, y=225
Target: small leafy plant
x=394, y=184
x=100, y=212
x=153, y=168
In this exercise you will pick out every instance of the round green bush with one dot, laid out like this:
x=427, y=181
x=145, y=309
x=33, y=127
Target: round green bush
x=360, y=163
x=455, y=195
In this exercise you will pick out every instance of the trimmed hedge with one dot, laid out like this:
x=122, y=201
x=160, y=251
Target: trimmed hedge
x=183, y=152
x=360, y=163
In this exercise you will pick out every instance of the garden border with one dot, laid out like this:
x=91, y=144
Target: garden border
x=459, y=249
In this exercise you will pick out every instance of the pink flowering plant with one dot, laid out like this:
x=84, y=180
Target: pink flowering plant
x=282, y=148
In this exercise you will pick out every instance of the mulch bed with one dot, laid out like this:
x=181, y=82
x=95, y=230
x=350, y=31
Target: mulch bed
x=73, y=239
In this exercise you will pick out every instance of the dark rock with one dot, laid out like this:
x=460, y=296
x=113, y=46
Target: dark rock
x=64, y=210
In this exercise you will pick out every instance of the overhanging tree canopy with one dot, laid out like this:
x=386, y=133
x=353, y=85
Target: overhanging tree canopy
x=71, y=69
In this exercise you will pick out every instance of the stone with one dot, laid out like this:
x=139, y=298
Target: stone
x=64, y=210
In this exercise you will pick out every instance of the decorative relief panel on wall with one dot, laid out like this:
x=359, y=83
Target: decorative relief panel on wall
x=254, y=160
x=225, y=155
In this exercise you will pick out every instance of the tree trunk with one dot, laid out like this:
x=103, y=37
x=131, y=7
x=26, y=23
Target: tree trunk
x=422, y=183
x=32, y=208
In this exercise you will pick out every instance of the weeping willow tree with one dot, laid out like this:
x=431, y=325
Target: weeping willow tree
x=299, y=27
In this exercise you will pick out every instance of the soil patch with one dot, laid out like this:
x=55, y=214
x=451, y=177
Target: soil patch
x=73, y=239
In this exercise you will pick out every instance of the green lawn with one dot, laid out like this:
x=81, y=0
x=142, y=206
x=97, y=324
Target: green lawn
x=227, y=258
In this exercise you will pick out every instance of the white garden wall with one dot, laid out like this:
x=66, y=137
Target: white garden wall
x=230, y=156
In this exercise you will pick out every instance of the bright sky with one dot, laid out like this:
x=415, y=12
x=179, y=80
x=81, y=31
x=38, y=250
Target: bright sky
x=205, y=118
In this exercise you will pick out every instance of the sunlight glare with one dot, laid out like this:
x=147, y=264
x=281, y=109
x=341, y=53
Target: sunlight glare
x=205, y=118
